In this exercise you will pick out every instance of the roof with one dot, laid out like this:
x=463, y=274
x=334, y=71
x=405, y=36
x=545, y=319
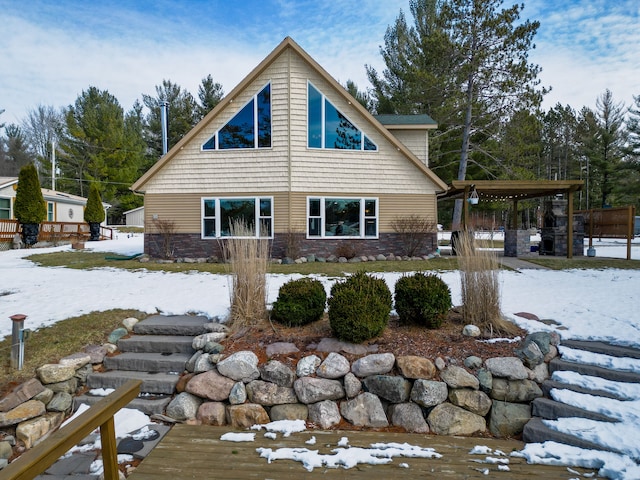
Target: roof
x=133, y=210
x=491, y=190
x=55, y=196
x=6, y=181
x=407, y=122
x=287, y=43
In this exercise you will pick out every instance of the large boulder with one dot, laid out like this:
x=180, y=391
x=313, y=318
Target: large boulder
x=392, y=388
x=210, y=385
x=184, y=406
x=447, y=419
x=414, y=367
x=508, y=419
x=240, y=366
x=408, y=416
x=246, y=415
x=364, y=411
x=334, y=366
x=376, y=364
x=458, y=377
x=519, y=391
x=325, y=414
x=475, y=401
x=278, y=373
x=313, y=390
x=268, y=394
x=429, y=393
x=506, y=367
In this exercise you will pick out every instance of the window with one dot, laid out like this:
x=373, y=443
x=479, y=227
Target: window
x=345, y=217
x=5, y=208
x=50, y=212
x=329, y=128
x=218, y=215
x=249, y=128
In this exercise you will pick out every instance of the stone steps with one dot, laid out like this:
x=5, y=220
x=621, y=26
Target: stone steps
x=153, y=383
x=148, y=362
x=536, y=431
x=156, y=353
x=558, y=364
x=551, y=410
x=157, y=344
x=182, y=325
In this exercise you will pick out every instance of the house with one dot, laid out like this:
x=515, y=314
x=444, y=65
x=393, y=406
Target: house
x=61, y=207
x=134, y=217
x=290, y=151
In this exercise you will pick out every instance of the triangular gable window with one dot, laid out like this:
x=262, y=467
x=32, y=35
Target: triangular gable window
x=329, y=128
x=249, y=128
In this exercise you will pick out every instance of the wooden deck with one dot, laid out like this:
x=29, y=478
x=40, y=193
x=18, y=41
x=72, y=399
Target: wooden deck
x=196, y=452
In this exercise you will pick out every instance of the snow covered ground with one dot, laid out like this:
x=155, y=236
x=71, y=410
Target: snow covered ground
x=590, y=304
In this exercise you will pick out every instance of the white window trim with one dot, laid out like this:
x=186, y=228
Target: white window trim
x=10, y=209
x=362, y=218
x=323, y=126
x=255, y=125
x=218, y=219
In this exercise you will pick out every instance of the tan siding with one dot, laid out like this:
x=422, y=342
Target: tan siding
x=185, y=209
x=230, y=171
x=414, y=140
x=342, y=171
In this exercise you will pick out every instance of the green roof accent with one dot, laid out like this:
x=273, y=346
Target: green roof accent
x=409, y=120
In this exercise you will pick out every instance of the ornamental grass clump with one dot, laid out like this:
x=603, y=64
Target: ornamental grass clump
x=422, y=299
x=479, y=274
x=299, y=302
x=248, y=259
x=359, y=308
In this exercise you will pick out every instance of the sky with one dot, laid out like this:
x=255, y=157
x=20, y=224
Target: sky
x=581, y=301
x=50, y=51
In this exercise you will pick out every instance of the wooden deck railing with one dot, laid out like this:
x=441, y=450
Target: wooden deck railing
x=43, y=455
x=53, y=231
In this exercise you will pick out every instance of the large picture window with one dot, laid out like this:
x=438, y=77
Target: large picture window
x=249, y=128
x=330, y=128
x=219, y=214
x=342, y=217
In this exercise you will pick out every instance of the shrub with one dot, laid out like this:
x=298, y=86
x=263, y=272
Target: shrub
x=29, y=205
x=347, y=249
x=247, y=258
x=422, y=299
x=299, y=302
x=414, y=232
x=94, y=212
x=480, y=282
x=359, y=307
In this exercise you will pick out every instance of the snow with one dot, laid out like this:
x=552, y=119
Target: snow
x=586, y=304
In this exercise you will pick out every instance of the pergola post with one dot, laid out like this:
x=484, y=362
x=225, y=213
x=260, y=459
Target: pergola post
x=465, y=208
x=570, y=224
x=514, y=216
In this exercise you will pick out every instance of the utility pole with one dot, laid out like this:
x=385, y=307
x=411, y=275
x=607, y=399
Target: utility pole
x=53, y=164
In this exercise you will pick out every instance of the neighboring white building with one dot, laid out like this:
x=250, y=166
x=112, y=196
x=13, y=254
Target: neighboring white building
x=135, y=217
x=61, y=207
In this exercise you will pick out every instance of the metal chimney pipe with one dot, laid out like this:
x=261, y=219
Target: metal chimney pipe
x=164, y=121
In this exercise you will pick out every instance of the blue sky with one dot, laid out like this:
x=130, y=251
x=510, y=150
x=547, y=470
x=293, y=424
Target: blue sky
x=52, y=50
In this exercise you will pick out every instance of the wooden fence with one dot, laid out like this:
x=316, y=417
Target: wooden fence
x=610, y=223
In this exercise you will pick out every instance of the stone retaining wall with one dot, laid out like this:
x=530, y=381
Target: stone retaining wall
x=374, y=391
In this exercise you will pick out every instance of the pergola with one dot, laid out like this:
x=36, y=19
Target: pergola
x=513, y=191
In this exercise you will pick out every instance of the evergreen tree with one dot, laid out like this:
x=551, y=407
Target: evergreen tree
x=362, y=97
x=183, y=116
x=100, y=145
x=465, y=62
x=603, y=142
x=209, y=93
x=94, y=211
x=17, y=151
x=29, y=206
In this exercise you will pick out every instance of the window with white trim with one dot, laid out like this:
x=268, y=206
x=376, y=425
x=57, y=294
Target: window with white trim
x=219, y=214
x=328, y=127
x=50, y=212
x=249, y=128
x=329, y=217
x=5, y=208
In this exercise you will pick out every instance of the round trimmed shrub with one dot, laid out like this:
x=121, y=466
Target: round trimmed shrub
x=359, y=308
x=422, y=299
x=299, y=302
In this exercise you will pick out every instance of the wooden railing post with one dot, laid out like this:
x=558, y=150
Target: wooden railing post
x=45, y=454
